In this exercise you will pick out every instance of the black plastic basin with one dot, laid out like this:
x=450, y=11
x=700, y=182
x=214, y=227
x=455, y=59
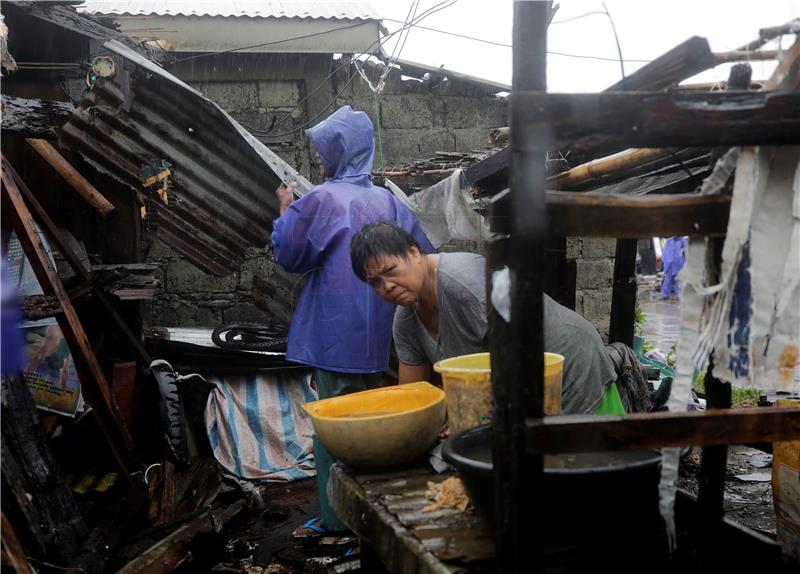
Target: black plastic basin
x=586, y=495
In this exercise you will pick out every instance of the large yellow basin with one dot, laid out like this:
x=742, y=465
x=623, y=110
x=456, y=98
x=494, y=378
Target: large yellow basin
x=380, y=428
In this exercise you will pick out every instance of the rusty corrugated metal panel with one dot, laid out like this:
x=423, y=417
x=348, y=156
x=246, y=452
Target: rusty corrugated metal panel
x=235, y=8
x=221, y=198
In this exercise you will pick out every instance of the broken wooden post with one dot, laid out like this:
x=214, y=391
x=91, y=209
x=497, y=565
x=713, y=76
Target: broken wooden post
x=85, y=189
x=93, y=381
x=33, y=486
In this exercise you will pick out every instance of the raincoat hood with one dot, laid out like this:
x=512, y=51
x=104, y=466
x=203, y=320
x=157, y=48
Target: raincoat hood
x=345, y=144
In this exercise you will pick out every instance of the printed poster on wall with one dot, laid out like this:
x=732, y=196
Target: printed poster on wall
x=50, y=371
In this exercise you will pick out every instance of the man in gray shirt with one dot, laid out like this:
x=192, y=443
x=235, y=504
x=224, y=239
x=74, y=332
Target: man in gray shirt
x=441, y=313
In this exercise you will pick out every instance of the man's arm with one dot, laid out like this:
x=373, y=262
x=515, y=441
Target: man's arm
x=412, y=373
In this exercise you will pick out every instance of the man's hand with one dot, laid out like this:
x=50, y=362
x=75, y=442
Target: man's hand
x=285, y=195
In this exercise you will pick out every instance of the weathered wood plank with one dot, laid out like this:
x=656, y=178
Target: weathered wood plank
x=386, y=511
x=65, y=169
x=583, y=122
x=569, y=433
x=172, y=551
x=622, y=216
x=683, y=61
x=34, y=118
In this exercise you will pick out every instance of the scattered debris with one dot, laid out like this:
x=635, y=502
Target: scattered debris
x=755, y=477
x=449, y=493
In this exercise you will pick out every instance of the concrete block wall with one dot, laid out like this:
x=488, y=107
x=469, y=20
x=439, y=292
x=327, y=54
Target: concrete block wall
x=594, y=259
x=416, y=120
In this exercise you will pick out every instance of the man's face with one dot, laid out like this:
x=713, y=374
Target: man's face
x=397, y=279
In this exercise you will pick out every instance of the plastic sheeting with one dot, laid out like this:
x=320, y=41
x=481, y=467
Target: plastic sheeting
x=445, y=210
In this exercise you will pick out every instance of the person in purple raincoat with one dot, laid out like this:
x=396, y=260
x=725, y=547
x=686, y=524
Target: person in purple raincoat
x=673, y=258
x=340, y=327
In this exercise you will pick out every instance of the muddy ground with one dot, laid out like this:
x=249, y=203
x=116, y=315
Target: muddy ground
x=748, y=488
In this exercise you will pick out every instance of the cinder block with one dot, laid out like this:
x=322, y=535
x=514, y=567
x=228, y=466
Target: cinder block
x=407, y=144
x=597, y=247
x=468, y=139
x=184, y=278
x=596, y=307
x=405, y=112
x=231, y=96
x=491, y=112
x=574, y=245
x=277, y=94
x=594, y=273
x=461, y=112
x=184, y=313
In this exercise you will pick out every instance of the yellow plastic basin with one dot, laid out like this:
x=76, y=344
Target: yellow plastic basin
x=380, y=428
x=467, y=381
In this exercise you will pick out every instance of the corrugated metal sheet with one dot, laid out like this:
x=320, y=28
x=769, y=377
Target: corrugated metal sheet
x=222, y=179
x=235, y=8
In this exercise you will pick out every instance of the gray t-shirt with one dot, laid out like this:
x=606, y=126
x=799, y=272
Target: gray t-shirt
x=463, y=326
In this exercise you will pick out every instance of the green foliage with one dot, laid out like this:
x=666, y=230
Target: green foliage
x=638, y=321
x=739, y=397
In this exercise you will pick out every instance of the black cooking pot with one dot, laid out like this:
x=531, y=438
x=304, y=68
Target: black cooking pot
x=587, y=496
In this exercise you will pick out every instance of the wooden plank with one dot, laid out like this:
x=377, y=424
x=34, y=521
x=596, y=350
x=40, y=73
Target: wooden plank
x=518, y=378
x=683, y=61
x=623, y=216
x=400, y=551
x=44, y=508
x=74, y=178
x=33, y=118
x=93, y=381
x=571, y=433
x=588, y=122
x=163, y=495
x=623, y=295
x=12, y=551
x=174, y=550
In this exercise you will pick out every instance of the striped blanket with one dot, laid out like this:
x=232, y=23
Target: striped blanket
x=257, y=428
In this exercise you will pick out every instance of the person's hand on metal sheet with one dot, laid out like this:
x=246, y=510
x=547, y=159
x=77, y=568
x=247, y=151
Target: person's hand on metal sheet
x=285, y=195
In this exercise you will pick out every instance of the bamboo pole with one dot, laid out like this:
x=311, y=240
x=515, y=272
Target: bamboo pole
x=73, y=177
x=610, y=165
x=745, y=56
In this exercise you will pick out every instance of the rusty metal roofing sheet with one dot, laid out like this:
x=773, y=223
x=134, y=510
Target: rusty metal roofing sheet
x=221, y=182
x=235, y=8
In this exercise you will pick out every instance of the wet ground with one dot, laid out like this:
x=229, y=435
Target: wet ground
x=662, y=316
x=262, y=543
